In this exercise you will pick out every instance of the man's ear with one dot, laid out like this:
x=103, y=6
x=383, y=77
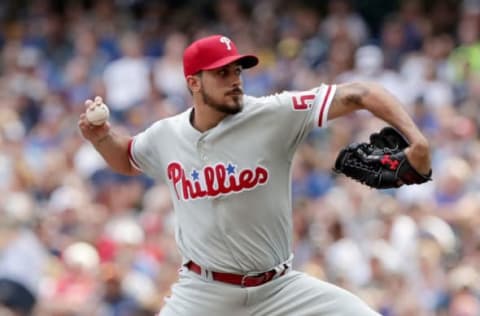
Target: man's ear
x=194, y=83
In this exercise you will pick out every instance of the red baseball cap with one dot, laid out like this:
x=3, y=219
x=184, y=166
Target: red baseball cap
x=213, y=52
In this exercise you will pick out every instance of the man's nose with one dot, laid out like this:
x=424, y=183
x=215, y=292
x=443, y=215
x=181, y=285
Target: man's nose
x=236, y=80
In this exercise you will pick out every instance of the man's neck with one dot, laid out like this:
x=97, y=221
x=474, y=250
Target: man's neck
x=204, y=118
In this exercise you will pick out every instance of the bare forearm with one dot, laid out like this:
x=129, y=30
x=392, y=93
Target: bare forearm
x=385, y=106
x=375, y=99
x=114, y=149
x=112, y=146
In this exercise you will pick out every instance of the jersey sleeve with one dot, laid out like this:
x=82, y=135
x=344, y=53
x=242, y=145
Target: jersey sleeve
x=143, y=154
x=301, y=111
x=308, y=107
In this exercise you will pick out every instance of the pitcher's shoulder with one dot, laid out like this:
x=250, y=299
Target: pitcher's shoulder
x=262, y=101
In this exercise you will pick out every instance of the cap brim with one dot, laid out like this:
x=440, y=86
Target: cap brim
x=246, y=61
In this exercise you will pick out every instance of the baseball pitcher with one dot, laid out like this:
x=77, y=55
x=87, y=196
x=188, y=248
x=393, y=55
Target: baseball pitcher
x=227, y=162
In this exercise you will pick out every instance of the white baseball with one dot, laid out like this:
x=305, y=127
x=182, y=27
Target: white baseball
x=97, y=114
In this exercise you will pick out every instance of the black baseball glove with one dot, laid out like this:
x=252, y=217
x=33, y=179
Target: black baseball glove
x=381, y=163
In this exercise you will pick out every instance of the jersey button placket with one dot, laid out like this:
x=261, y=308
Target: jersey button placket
x=201, y=150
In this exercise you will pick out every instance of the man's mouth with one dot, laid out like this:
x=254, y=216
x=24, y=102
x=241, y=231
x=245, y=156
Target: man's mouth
x=235, y=92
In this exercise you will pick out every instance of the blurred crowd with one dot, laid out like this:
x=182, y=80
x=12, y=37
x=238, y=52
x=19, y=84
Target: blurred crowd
x=77, y=239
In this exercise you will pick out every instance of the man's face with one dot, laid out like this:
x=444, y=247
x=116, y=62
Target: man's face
x=221, y=88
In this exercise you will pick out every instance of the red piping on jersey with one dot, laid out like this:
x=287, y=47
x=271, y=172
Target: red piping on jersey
x=130, y=154
x=320, y=118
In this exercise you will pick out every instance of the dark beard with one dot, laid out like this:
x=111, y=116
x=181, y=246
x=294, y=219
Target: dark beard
x=220, y=107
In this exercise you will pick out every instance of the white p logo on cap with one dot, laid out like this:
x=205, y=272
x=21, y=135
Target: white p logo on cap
x=225, y=40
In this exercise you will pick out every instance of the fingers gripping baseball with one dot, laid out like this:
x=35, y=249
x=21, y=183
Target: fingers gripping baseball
x=97, y=112
x=93, y=122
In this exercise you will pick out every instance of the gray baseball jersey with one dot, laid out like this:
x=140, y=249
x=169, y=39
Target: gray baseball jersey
x=231, y=185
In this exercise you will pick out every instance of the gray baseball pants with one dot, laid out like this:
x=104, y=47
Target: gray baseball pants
x=293, y=294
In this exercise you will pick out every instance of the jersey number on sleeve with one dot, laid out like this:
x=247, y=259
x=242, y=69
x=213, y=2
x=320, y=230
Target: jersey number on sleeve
x=302, y=102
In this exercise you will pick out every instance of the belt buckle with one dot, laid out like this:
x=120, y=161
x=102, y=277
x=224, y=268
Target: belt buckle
x=253, y=275
x=242, y=282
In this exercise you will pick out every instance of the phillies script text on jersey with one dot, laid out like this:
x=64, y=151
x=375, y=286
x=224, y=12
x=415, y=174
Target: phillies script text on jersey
x=219, y=179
